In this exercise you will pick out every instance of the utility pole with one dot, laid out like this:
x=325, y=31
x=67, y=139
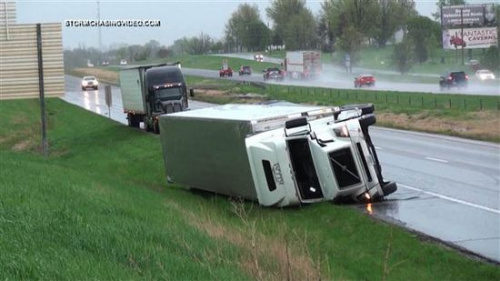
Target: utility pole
x=99, y=30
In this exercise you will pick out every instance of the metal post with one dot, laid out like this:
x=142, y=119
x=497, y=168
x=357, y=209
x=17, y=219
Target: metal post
x=462, y=32
x=41, y=89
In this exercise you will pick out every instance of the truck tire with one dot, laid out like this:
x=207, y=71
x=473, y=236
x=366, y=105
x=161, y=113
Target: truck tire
x=366, y=108
x=299, y=122
x=133, y=121
x=389, y=187
x=367, y=120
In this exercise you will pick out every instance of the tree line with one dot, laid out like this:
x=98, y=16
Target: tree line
x=343, y=26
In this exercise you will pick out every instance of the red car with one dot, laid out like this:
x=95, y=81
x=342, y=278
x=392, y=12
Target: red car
x=226, y=72
x=457, y=42
x=364, y=80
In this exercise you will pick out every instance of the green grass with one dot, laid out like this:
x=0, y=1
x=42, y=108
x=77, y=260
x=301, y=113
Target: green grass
x=99, y=208
x=212, y=62
x=386, y=100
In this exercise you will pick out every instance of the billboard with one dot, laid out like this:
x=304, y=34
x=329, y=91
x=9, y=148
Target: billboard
x=472, y=38
x=477, y=22
x=468, y=16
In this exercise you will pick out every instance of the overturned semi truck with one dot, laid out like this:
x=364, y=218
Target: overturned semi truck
x=277, y=154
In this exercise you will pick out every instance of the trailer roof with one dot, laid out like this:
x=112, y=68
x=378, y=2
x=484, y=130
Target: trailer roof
x=252, y=112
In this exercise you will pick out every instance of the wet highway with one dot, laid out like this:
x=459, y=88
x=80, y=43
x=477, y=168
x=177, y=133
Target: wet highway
x=449, y=188
x=335, y=77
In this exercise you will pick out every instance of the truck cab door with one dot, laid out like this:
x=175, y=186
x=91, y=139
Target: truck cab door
x=270, y=175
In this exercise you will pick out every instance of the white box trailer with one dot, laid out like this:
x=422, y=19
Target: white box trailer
x=278, y=155
x=303, y=64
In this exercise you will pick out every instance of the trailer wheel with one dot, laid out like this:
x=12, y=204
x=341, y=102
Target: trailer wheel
x=133, y=121
x=366, y=108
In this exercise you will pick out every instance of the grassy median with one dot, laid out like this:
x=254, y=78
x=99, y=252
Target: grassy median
x=99, y=208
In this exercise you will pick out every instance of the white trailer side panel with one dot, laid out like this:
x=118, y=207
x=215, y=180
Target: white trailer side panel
x=130, y=85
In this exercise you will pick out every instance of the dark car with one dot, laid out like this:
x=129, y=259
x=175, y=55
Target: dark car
x=273, y=73
x=453, y=79
x=364, y=80
x=245, y=70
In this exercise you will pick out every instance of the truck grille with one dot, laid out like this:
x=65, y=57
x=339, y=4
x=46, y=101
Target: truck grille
x=344, y=167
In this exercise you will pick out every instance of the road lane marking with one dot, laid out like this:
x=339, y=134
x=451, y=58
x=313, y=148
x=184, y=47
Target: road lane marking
x=451, y=199
x=436, y=159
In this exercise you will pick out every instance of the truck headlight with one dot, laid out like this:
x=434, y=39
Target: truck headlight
x=342, y=132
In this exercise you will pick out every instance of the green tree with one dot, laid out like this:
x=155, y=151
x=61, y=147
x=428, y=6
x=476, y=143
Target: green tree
x=349, y=22
x=294, y=24
x=423, y=34
x=300, y=32
x=244, y=26
x=350, y=42
x=256, y=36
x=491, y=59
x=391, y=15
x=402, y=56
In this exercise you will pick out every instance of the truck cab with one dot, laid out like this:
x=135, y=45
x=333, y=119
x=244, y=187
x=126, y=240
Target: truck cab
x=150, y=91
x=318, y=160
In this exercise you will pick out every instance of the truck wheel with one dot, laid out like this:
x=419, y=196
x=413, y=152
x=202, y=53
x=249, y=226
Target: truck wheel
x=389, y=187
x=133, y=121
x=367, y=120
x=366, y=108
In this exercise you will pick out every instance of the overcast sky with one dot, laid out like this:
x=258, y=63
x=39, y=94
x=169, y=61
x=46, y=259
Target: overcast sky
x=178, y=18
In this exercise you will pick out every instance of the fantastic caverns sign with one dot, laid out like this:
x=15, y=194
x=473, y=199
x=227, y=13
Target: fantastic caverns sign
x=471, y=38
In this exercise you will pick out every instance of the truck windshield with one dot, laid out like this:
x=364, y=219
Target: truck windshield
x=169, y=94
x=303, y=166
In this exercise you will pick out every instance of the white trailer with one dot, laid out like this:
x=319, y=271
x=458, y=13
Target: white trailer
x=303, y=64
x=278, y=155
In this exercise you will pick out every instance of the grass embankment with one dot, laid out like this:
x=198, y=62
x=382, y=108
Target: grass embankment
x=99, y=208
x=467, y=116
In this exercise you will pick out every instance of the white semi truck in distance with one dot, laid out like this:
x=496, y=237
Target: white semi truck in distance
x=302, y=64
x=276, y=154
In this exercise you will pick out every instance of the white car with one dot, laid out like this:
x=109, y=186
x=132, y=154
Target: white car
x=485, y=74
x=258, y=57
x=123, y=62
x=89, y=82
